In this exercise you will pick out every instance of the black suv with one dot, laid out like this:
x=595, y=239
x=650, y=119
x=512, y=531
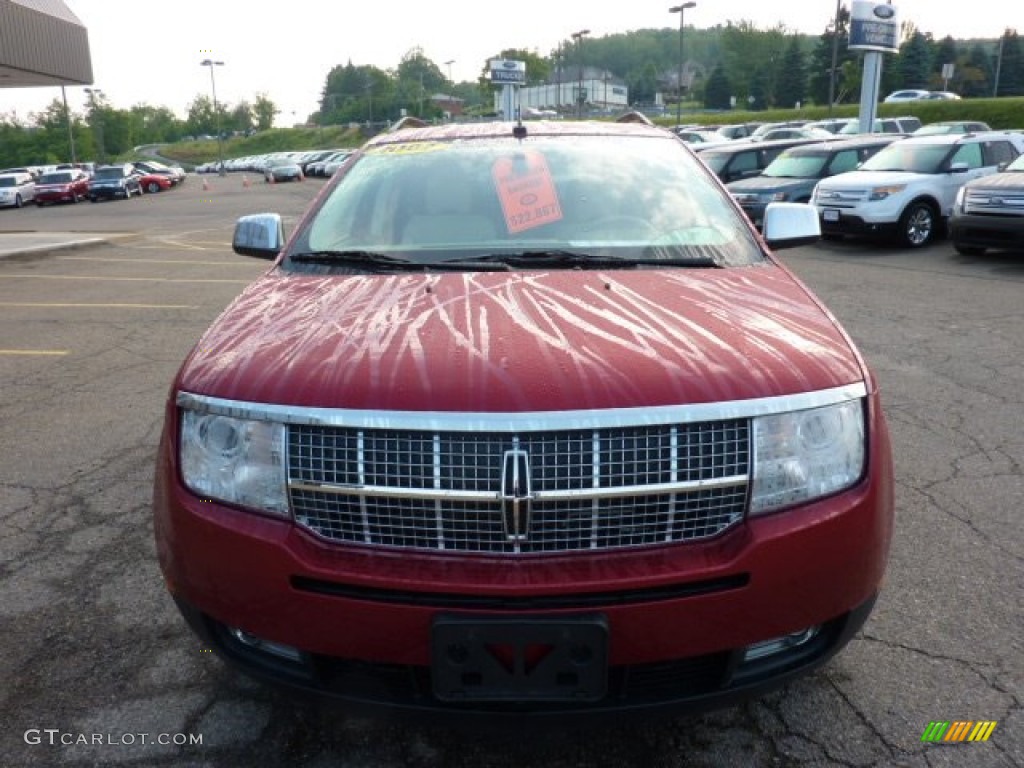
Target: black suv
x=791, y=176
x=742, y=159
x=113, y=181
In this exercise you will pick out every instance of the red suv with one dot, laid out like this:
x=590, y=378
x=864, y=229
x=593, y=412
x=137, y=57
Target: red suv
x=67, y=186
x=525, y=419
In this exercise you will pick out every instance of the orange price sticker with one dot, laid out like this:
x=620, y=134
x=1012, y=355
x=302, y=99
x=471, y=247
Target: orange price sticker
x=527, y=191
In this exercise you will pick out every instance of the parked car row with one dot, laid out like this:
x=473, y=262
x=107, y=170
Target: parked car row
x=283, y=166
x=72, y=183
x=947, y=176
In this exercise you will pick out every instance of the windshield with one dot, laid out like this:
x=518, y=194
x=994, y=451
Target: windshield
x=109, y=173
x=1016, y=165
x=802, y=166
x=559, y=199
x=8, y=181
x=915, y=158
x=55, y=178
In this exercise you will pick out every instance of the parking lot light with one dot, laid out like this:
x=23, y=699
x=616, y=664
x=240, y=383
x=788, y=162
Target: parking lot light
x=216, y=113
x=681, y=10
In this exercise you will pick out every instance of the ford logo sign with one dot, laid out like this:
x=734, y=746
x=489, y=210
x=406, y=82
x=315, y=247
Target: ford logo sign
x=884, y=11
x=508, y=64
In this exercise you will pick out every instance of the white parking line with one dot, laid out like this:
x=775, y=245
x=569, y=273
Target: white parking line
x=127, y=279
x=54, y=305
x=231, y=263
x=50, y=352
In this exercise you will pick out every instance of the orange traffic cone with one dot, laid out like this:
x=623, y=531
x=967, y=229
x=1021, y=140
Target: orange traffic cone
x=245, y=182
x=206, y=186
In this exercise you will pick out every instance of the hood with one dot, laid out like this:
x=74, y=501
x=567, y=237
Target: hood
x=521, y=341
x=1007, y=180
x=866, y=179
x=759, y=184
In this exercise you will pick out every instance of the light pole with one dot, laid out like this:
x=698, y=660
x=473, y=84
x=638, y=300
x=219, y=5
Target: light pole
x=835, y=59
x=71, y=133
x=97, y=120
x=681, y=10
x=578, y=37
x=216, y=113
x=449, y=65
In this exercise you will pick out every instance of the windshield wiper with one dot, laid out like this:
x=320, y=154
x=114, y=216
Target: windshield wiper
x=374, y=260
x=575, y=259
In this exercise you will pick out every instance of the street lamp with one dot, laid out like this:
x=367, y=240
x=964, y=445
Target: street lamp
x=681, y=10
x=578, y=37
x=97, y=120
x=449, y=65
x=216, y=113
x=71, y=133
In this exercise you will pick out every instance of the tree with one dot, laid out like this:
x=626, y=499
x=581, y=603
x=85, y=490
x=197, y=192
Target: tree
x=791, y=87
x=1011, y=73
x=820, y=68
x=976, y=76
x=718, y=91
x=914, y=62
x=263, y=112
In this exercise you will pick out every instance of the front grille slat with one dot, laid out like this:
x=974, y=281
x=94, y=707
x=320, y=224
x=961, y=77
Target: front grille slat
x=596, y=489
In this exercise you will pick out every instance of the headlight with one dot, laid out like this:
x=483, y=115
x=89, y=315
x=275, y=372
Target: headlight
x=961, y=195
x=804, y=455
x=880, y=193
x=234, y=460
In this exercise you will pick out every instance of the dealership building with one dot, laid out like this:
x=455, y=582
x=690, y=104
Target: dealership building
x=42, y=43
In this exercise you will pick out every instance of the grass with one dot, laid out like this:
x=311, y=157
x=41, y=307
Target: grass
x=192, y=153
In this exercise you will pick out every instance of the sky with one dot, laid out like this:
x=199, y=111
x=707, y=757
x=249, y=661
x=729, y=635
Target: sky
x=285, y=50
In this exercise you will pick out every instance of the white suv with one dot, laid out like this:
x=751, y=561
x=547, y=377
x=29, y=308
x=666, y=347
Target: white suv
x=16, y=189
x=907, y=189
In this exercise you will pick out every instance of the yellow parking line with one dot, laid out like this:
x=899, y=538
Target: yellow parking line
x=47, y=305
x=128, y=279
x=33, y=352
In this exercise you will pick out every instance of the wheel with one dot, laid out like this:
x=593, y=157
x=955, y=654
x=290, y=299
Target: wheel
x=917, y=225
x=969, y=250
x=18, y=202
x=40, y=203
x=153, y=187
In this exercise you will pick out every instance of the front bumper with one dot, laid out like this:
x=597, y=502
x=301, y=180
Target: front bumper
x=108, y=193
x=359, y=621
x=1005, y=232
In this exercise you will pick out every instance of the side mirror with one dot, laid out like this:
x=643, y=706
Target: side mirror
x=260, y=235
x=789, y=225
x=958, y=168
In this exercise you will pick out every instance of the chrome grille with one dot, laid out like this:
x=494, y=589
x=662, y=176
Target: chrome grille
x=994, y=202
x=589, y=489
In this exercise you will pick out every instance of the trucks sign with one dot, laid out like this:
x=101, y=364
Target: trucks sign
x=506, y=72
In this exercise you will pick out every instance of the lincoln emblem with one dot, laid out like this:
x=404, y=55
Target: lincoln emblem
x=515, y=494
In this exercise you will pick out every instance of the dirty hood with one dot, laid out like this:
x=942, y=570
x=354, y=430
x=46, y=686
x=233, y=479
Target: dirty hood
x=521, y=341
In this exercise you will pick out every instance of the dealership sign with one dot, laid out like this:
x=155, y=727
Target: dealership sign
x=506, y=71
x=874, y=27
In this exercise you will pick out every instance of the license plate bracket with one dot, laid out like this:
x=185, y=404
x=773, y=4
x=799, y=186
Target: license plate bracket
x=520, y=659
x=830, y=214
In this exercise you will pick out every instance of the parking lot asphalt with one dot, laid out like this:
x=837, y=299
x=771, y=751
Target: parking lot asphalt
x=98, y=669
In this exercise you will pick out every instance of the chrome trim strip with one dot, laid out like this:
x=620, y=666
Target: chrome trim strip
x=534, y=421
x=650, y=489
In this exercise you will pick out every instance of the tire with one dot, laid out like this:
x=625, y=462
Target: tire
x=18, y=202
x=917, y=225
x=153, y=187
x=969, y=250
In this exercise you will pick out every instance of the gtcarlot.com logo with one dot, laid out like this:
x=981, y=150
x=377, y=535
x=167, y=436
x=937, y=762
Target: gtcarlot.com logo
x=958, y=730
x=55, y=737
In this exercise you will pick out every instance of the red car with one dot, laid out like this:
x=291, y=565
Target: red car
x=68, y=186
x=525, y=421
x=155, y=182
